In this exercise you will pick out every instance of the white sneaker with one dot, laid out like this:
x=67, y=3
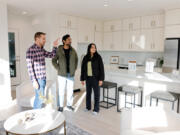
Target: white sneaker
x=95, y=113
x=69, y=108
x=86, y=110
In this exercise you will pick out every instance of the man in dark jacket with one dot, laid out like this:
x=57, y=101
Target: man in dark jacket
x=65, y=62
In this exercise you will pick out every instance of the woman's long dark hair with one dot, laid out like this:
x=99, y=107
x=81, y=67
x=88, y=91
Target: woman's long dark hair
x=89, y=53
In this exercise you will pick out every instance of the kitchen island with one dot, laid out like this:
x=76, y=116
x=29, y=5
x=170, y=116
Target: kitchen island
x=149, y=81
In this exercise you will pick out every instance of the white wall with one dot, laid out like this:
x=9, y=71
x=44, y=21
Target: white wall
x=27, y=26
x=5, y=90
x=25, y=30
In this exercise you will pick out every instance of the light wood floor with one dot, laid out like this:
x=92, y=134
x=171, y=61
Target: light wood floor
x=110, y=122
x=107, y=122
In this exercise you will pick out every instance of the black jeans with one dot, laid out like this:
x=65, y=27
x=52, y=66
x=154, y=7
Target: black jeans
x=92, y=83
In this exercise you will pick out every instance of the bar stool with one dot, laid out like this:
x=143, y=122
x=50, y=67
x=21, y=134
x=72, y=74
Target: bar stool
x=165, y=96
x=130, y=90
x=107, y=86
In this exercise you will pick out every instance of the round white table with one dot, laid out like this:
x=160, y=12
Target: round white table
x=34, y=122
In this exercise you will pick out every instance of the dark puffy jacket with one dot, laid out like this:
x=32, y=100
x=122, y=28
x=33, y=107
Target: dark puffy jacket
x=97, y=67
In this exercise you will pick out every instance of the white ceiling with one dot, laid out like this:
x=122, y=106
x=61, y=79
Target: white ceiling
x=93, y=8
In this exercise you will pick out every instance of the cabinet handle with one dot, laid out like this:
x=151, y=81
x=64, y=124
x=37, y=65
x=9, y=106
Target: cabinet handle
x=69, y=23
x=130, y=26
x=112, y=27
x=153, y=23
x=152, y=45
x=86, y=38
x=130, y=45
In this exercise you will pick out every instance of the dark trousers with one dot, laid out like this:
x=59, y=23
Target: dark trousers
x=92, y=83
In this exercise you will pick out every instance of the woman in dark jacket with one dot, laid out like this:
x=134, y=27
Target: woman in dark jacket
x=92, y=71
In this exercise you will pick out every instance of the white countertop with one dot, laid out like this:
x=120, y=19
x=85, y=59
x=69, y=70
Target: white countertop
x=141, y=74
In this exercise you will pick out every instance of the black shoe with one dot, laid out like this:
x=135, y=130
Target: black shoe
x=60, y=109
x=70, y=108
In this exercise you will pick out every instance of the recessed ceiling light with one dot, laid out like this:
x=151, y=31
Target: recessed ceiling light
x=24, y=13
x=130, y=0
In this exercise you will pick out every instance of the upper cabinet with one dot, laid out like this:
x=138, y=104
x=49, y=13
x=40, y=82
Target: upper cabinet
x=172, y=17
x=112, y=26
x=98, y=34
x=68, y=21
x=98, y=39
x=98, y=26
x=172, y=23
x=132, y=41
x=145, y=33
x=85, y=30
x=153, y=39
x=153, y=21
x=131, y=23
x=112, y=36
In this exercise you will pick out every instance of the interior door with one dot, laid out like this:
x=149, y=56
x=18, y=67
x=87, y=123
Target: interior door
x=14, y=56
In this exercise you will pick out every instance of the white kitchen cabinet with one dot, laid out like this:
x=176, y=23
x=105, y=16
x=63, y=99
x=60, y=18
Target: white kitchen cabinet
x=110, y=26
x=68, y=21
x=72, y=33
x=85, y=30
x=74, y=36
x=172, y=31
x=126, y=41
x=172, y=17
x=172, y=23
x=153, y=21
x=98, y=39
x=108, y=41
x=153, y=39
x=98, y=26
x=131, y=23
x=132, y=41
x=117, y=41
x=113, y=41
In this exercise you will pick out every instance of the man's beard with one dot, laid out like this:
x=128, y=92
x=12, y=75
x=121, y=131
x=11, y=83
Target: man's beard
x=69, y=44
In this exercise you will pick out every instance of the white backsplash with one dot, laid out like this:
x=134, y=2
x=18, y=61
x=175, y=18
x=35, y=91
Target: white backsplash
x=124, y=57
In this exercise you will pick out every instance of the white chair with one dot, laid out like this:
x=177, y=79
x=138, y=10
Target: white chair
x=25, y=94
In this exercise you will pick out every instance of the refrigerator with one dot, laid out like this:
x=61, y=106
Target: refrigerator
x=171, y=54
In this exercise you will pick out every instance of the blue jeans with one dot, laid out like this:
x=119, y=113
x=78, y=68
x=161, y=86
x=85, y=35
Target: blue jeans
x=38, y=101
